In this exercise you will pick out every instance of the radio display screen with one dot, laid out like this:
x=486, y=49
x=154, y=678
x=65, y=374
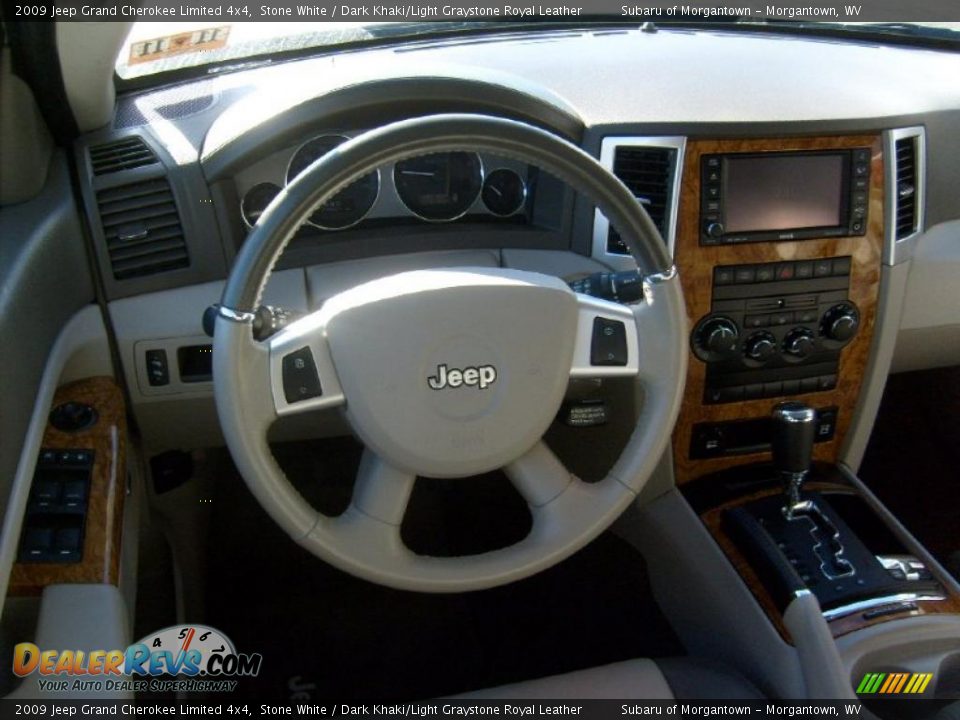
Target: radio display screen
x=784, y=192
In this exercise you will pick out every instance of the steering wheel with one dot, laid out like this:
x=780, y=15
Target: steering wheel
x=448, y=373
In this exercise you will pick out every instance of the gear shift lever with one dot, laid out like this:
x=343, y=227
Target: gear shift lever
x=794, y=428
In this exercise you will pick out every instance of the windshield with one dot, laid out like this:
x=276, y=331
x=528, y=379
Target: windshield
x=158, y=47
x=152, y=48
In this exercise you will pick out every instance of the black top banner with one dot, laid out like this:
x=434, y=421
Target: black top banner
x=237, y=11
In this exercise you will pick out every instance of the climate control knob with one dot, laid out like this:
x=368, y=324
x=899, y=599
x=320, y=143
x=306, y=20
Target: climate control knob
x=799, y=343
x=715, y=338
x=840, y=323
x=760, y=347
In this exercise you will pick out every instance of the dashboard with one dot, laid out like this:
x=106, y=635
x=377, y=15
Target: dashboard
x=174, y=185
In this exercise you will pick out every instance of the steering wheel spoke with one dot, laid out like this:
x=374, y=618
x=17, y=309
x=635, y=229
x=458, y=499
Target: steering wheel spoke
x=302, y=375
x=382, y=491
x=538, y=475
x=606, y=343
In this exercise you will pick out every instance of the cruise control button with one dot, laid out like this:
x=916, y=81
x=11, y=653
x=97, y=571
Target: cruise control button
x=300, y=379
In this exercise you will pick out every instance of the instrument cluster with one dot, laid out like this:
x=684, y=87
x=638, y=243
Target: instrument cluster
x=435, y=188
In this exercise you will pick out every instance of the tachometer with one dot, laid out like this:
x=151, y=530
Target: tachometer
x=347, y=207
x=255, y=201
x=439, y=186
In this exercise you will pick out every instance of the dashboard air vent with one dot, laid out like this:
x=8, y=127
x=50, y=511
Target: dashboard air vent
x=142, y=229
x=131, y=152
x=649, y=174
x=907, y=217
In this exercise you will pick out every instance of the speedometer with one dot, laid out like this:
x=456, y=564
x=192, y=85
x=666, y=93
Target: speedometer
x=347, y=207
x=439, y=186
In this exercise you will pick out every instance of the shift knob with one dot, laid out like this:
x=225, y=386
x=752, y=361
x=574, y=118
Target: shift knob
x=794, y=428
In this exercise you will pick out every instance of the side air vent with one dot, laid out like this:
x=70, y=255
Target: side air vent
x=904, y=153
x=131, y=152
x=649, y=168
x=142, y=229
x=906, y=178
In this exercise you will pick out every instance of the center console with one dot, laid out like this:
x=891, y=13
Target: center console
x=779, y=247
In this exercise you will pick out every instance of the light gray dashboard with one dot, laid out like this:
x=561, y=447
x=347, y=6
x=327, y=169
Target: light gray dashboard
x=215, y=138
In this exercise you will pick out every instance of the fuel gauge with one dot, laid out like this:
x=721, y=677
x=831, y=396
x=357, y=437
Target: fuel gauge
x=504, y=192
x=255, y=201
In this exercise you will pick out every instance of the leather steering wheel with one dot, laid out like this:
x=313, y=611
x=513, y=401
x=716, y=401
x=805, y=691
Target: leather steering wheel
x=448, y=373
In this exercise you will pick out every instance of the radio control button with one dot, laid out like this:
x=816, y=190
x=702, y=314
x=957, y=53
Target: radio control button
x=804, y=270
x=714, y=230
x=841, y=266
x=765, y=273
x=786, y=271
x=713, y=192
x=723, y=276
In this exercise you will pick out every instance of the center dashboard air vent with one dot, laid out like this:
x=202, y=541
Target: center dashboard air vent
x=126, y=154
x=649, y=167
x=142, y=229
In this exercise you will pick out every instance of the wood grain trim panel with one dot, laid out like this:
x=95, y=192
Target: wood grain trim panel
x=841, y=626
x=696, y=264
x=107, y=438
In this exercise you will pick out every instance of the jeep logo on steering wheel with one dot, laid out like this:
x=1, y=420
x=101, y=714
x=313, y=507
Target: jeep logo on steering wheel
x=482, y=376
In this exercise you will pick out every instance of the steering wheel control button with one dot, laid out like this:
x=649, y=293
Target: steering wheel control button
x=300, y=378
x=609, y=343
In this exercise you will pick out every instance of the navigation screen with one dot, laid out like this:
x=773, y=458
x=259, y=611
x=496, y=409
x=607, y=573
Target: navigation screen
x=783, y=192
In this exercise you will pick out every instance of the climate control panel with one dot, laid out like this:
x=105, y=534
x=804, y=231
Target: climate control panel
x=775, y=329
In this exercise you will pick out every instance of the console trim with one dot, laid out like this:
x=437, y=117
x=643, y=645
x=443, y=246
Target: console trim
x=696, y=265
x=851, y=608
x=601, y=226
x=897, y=251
